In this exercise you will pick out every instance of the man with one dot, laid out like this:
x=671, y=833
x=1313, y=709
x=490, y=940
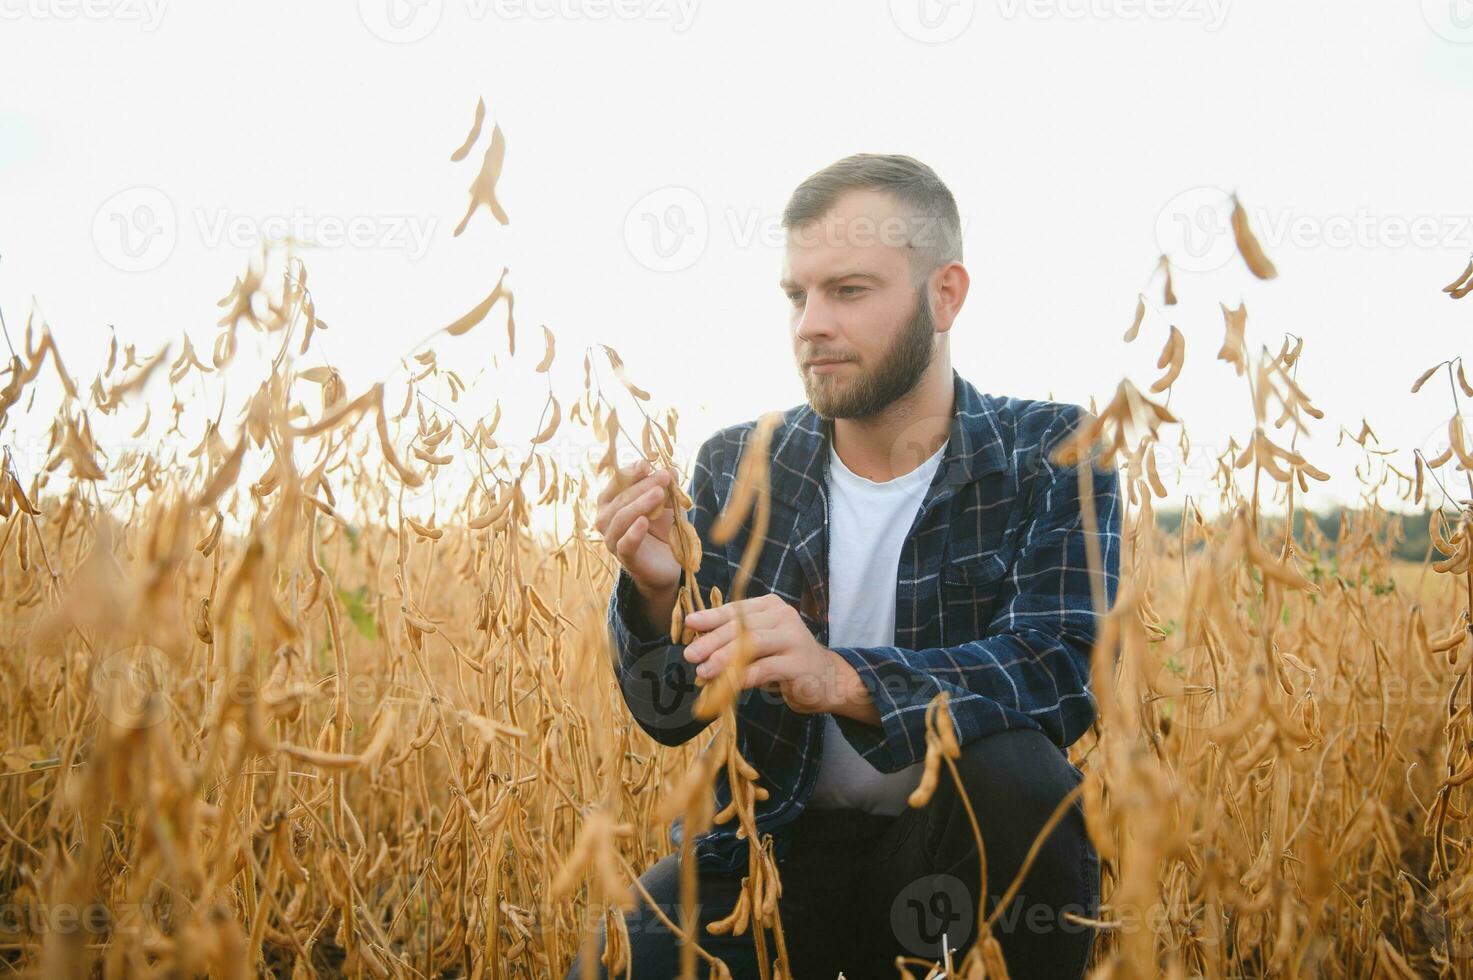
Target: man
x=920, y=540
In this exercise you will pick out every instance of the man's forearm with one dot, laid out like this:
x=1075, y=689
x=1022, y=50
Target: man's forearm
x=850, y=698
x=656, y=608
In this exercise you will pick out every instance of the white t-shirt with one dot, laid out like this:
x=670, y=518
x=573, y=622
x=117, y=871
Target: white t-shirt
x=868, y=522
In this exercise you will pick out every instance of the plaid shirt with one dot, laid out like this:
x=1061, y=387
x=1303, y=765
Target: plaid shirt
x=992, y=602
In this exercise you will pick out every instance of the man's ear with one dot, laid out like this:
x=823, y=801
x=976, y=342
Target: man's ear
x=948, y=291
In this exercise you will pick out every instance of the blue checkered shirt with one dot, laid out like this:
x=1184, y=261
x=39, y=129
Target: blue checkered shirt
x=992, y=604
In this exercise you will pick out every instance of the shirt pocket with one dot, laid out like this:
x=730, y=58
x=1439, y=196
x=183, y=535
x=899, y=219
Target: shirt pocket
x=975, y=572
x=969, y=596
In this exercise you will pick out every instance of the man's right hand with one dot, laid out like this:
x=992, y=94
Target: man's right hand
x=637, y=524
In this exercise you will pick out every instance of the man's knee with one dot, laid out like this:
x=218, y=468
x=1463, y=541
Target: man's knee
x=1017, y=768
x=1015, y=780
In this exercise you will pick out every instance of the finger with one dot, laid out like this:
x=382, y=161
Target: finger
x=714, y=665
x=707, y=620
x=707, y=643
x=635, y=491
x=626, y=546
x=645, y=507
x=760, y=646
x=631, y=491
x=700, y=648
x=621, y=479
x=765, y=670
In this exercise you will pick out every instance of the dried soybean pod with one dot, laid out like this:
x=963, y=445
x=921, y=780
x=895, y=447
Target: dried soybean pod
x=739, y=504
x=1173, y=356
x=945, y=730
x=1140, y=314
x=735, y=922
x=491, y=514
x=431, y=458
x=1422, y=378
x=473, y=135
x=1168, y=295
x=686, y=544
x=424, y=531
x=1455, y=636
x=1463, y=380
x=921, y=795
x=1248, y=247
x=677, y=613
x=1152, y=475
x=1458, y=283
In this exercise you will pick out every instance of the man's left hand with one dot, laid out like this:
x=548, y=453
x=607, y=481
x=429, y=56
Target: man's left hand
x=784, y=654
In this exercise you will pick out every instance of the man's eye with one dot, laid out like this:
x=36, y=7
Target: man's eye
x=795, y=298
x=857, y=289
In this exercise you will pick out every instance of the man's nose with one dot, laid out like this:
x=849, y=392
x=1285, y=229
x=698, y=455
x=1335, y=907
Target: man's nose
x=816, y=321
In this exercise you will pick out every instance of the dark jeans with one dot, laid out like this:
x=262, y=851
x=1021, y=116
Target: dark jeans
x=860, y=888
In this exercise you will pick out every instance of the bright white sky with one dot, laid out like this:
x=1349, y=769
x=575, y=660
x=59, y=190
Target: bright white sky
x=1065, y=128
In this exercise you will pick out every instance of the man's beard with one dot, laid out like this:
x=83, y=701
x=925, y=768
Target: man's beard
x=898, y=374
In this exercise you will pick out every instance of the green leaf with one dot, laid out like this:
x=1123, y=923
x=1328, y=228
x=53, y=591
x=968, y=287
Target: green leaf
x=356, y=605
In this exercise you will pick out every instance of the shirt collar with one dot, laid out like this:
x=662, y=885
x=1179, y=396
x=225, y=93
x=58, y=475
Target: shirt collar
x=973, y=450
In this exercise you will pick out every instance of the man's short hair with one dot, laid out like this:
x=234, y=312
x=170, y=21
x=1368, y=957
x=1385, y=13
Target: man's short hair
x=932, y=226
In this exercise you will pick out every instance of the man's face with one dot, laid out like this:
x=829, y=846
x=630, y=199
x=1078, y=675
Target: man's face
x=848, y=277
